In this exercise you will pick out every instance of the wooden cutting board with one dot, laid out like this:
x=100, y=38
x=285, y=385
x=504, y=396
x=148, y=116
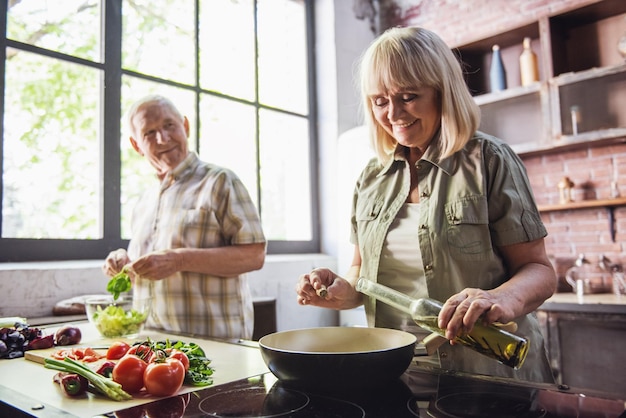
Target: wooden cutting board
x=38, y=356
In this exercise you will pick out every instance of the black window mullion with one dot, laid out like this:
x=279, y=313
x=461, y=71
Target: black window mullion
x=3, y=57
x=111, y=127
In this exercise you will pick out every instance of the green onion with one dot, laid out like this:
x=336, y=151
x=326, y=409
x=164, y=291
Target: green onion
x=103, y=384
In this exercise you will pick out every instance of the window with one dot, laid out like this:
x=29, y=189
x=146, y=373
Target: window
x=238, y=69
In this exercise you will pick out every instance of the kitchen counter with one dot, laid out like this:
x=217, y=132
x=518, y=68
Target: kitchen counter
x=585, y=340
x=28, y=386
x=244, y=387
x=595, y=302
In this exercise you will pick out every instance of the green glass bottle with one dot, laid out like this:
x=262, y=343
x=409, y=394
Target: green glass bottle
x=494, y=342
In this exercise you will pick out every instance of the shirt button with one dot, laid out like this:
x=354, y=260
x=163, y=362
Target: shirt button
x=443, y=355
x=424, y=195
x=428, y=267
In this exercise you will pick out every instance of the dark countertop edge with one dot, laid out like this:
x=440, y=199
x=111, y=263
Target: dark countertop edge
x=18, y=406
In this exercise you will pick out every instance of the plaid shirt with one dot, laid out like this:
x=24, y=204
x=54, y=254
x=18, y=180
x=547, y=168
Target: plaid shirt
x=197, y=205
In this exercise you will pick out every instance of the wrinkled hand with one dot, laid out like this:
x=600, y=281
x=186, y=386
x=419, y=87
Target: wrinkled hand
x=338, y=290
x=155, y=266
x=461, y=311
x=115, y=261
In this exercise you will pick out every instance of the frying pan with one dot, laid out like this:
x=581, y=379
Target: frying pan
x=338, y=357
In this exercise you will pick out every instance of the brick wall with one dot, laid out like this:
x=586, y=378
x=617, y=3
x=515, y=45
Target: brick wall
x=591, y=169
x=583, y=230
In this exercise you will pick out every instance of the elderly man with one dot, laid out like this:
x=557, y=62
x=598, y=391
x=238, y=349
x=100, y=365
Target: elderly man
x=194, y=235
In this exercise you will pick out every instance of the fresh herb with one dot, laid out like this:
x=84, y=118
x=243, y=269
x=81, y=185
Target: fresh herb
x=102, y=384
x=200, y=371
x=119, y=283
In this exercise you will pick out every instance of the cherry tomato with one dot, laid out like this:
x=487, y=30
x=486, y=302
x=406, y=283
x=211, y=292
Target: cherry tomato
x=128, y=372
x=117, y=350
x=177, y=354
x=144, y=352
x=164, y=378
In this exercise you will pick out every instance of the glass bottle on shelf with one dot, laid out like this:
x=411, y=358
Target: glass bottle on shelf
x=529, y=70
x=494, y=342
x=497, y=75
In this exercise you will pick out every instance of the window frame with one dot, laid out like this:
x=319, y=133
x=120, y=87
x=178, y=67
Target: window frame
x=20, y=250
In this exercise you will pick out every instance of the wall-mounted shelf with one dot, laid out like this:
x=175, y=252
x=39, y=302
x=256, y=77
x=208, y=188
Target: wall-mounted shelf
x=583, y=204
x=579, y=67
x=609, y=204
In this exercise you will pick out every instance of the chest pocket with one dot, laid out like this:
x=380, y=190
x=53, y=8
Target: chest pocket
x=370, y=210
x=198, y=228
x=467, y=233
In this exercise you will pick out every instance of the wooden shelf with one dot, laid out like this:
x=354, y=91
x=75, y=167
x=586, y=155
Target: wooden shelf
x=584, y=204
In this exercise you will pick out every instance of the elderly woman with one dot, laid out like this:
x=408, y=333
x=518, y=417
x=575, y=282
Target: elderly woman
x=444, y=211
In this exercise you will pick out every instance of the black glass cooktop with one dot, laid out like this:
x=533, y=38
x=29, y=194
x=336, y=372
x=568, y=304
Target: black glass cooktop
x=418, y=393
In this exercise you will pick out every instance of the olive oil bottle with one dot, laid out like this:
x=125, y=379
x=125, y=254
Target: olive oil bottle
x=494, y=342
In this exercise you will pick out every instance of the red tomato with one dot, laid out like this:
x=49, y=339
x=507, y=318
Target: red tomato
x=117, y=350
x=142, y=351
x=179, y=355
x=128, y=372
x=164, y=378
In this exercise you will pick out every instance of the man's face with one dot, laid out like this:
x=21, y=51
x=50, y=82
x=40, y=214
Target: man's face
x=160, y=135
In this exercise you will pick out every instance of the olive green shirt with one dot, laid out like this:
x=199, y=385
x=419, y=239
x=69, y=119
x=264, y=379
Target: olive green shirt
x=470, y=204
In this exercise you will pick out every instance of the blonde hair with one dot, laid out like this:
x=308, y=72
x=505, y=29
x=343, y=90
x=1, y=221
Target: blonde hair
x=405, y=58
x=150, y=99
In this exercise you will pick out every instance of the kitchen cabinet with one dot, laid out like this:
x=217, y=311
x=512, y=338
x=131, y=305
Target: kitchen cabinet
x=580, y=71
x=585, y=342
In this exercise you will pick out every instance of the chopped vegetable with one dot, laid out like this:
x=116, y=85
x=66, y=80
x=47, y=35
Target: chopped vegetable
x=119, y=283
x=41, y=343
x=113, y=321
x=20, y=337
x=103, y=384
x=86, y=354
x=106, y=369
x=72, y=384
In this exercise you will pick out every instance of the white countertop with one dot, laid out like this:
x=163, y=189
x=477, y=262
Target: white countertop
x=32, y=381
x=593, y=298
x=594, y=303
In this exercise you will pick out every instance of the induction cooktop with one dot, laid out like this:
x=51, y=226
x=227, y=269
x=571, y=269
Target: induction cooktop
x=420, y=392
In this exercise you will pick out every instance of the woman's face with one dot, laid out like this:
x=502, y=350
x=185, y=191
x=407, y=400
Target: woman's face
x=411, y=116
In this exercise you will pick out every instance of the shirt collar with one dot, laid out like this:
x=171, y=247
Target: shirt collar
x=183, y=169
x=432, y=155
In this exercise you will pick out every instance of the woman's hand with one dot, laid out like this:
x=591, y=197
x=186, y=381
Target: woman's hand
x=532, y=281
x=340, y=294
x=462, y=310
